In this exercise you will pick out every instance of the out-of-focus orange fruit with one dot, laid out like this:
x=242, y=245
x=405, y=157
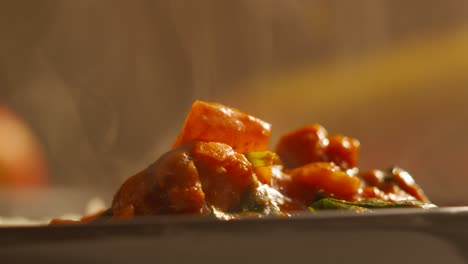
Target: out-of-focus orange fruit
x=22, y=162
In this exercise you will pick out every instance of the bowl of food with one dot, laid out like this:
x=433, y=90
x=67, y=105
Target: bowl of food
x=221, y=193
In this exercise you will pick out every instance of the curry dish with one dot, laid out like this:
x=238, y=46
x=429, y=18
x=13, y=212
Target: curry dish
x=220, y=166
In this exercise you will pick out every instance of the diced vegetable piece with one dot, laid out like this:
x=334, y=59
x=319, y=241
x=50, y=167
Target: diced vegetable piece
x=213, y=122
x=373, y=177
x=407, y=183
x=303, y=146
x=343, y=151
x=328, y=177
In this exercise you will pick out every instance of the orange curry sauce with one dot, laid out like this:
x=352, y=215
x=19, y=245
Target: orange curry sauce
x=220, y=166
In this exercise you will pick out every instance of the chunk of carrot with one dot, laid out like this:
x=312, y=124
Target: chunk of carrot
x=213, y=122
x=328, y=177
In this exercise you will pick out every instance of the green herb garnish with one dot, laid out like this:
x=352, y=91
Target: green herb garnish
x=365, y=205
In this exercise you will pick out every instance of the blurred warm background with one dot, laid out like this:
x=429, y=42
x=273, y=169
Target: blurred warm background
x=93, y=91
